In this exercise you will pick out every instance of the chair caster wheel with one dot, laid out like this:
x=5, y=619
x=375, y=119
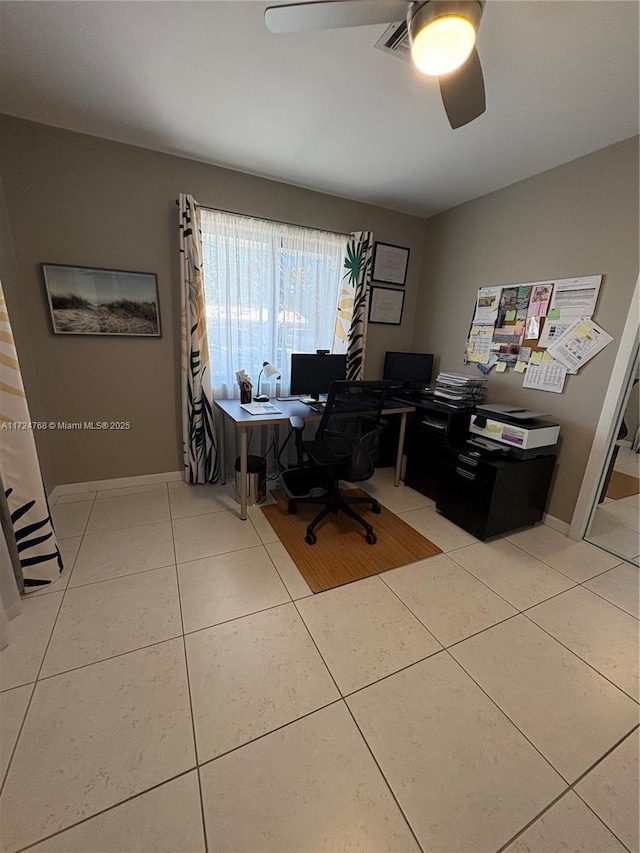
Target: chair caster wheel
x=293, y=509
x=371, y=538
x=311, y=538
x=376, y=509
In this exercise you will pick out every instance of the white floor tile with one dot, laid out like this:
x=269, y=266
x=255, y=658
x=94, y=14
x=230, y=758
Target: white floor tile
x=599, y=633
x=446, y=598
x=568, y=825
x=296, y=585
x=511, y=572
x=620, y=513
x=72, y=499
x=364, y=632
x=567, y=710
x=216, y=589
x=13, y=706
x=69, y=551
x=395, y=498
x=620, y=586
x=437, y=528
x=95, y=737
x=129, y=511
x=28, y=637
x=466, y=779
x=632, y=500
x=70, y=519
x=200, y=500
x=131, y=490
x=113, y=617
x=614, y=537
x=264, y=530
x=166, y=819
x=123, y=552
x=577, y=560
x=612, y=791
x=312, y=786
x=215, y=533
x=251, y=676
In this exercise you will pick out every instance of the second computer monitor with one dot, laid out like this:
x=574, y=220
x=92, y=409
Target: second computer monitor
x=312, y=374
x=413, y=369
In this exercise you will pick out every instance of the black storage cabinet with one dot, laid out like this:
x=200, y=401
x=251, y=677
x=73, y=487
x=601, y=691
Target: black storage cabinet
x=487, y=496
x=432, y=427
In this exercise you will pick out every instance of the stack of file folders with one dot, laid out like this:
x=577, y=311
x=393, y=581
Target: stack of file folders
x=460, y=390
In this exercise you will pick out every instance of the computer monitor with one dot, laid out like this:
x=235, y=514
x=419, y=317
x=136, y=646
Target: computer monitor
x=312, y=373
x=413, y=369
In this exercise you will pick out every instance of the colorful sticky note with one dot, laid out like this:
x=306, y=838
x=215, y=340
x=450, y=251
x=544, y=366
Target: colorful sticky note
x=546, y=358
x=501, y=366
x=510, y=316
x=554, y=314
x=519, y=367
x=536, y=358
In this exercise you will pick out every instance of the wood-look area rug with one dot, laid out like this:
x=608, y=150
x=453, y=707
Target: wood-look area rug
x=341, y=554
x=622, y=486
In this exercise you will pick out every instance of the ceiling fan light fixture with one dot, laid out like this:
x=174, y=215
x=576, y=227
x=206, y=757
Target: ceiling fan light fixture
x=443, y=35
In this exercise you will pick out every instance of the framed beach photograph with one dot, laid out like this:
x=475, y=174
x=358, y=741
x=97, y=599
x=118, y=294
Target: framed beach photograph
x=390, y=263
x=385, y=305
x=91, y=301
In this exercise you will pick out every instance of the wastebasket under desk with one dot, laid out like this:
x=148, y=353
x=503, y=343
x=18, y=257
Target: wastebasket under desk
x=488, y=496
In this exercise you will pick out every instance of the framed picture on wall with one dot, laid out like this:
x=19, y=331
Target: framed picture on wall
x=385, y=305
x=91, y=301
x=390, y=263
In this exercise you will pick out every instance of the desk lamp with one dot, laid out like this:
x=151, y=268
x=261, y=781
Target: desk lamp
x=270, y=372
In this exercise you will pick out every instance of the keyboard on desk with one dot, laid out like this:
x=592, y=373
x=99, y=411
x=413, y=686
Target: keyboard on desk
x=318, y=407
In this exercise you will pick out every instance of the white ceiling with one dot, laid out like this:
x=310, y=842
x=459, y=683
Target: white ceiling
x=326, y=110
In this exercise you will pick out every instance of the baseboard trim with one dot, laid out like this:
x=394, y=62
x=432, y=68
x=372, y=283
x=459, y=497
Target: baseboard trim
x=556, y=524
x=116, y=483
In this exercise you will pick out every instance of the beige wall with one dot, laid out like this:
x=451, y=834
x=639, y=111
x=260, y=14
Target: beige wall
x=76, y=199
x=578, y=219
x=18, y=312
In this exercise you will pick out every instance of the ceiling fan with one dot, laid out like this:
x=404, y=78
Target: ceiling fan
x=438, y=36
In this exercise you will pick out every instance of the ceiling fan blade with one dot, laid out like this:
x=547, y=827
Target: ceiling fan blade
x=463, y=92
x=333, y=14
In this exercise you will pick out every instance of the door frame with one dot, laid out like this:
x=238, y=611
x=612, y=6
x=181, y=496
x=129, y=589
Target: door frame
x=608, y=424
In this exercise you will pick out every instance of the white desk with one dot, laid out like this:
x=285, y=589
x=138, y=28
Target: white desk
x=241, y=420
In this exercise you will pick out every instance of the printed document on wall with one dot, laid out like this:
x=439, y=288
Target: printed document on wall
x=487, y=305
x=545, y=377
x=579, y=344
x=479, y=344
x=573, y=299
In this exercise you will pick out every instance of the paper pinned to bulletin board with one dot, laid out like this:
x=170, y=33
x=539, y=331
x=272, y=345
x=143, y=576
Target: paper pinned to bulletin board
x=523, y=326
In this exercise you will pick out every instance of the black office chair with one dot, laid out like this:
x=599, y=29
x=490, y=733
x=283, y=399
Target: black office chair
x=345, y=447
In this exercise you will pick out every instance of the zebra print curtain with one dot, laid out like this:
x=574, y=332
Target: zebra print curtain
x=28, y=528
x=200, y=453
x=353, y=302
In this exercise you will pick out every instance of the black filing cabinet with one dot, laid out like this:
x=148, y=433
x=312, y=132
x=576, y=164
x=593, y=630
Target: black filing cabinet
x=432, y=427
x=488, y=496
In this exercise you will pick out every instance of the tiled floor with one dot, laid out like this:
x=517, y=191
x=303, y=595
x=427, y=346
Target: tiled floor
x=180, y=689
x=616, y=524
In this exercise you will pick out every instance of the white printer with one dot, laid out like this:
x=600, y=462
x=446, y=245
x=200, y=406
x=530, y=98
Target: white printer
x=502, y=425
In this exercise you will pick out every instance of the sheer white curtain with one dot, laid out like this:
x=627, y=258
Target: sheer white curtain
x=271, y=290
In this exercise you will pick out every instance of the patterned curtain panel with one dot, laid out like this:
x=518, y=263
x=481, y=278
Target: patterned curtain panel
x=199, y=448
x=350, y=334
x=28, y=509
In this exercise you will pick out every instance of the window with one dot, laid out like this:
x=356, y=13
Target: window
x=271, y=289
